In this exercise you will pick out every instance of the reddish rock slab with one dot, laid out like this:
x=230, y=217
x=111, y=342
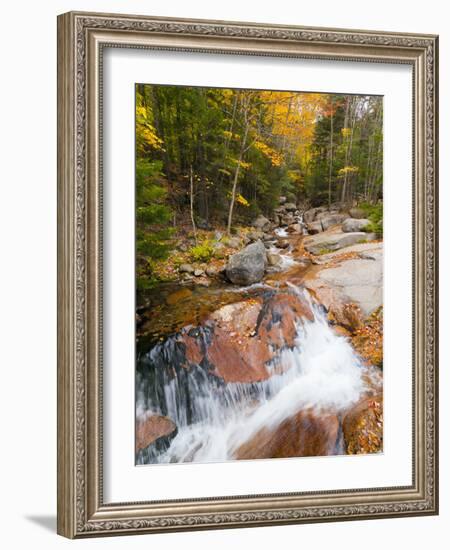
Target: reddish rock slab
x=151, y=428
x=307, y=433
x=238, y=359
x=363, y=426
x=244, y=337
x=235, y=352
x=280, y=314
x=193, y=351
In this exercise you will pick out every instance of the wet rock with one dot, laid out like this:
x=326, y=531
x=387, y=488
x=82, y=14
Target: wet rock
x=247, y=266
x=363, y=426
x=306, y=433
x=186, y=268
x=273, y=259
x=211, y=272
x=234, y=355
x=198, y=272
x=153, y=428
x=238, y=340
x=262, y=223
x=351, y=225
x=179, y=295
x=282, y=243
x=357, y=213
x=281, y=312
x=295, y=228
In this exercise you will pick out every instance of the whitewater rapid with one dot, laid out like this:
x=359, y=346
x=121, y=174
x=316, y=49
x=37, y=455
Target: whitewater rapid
x=322, y=372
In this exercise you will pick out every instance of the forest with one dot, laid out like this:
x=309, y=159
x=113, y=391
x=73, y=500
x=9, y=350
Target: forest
x=210, y=158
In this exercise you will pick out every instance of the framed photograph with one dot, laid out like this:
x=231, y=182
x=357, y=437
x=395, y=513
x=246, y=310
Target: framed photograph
x=247, y=282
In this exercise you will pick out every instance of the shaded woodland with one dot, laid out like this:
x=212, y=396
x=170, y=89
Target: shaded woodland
x=209, y=159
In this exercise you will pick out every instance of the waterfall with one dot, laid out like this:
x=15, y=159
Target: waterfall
x=321, y=372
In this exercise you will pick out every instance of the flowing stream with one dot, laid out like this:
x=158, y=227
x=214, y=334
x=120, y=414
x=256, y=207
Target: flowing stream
x=321, y=373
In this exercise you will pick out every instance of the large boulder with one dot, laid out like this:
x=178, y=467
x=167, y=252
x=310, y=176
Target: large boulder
x=247, y=266
x=288, y=219
x=309, y=215
x=306, y=433
x=328, y=220
x=266, y=237
x=238, y=341
x=233, y=242
x=351, y=225
x=273, y=259
x=361, y=281
x=314, y=227
x=295, y=228
x=362, y=426
x=255, y=235
x=282, y=243
x=262, y=223
x=357, y=213
x=327, y=242
x=153, y=429
x=353, y=289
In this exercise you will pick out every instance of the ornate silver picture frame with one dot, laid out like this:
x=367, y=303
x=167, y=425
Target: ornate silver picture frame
x=82, y=510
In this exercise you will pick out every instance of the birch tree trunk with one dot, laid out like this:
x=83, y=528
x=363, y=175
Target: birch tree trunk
x=236, y=177
x=348, y=153
x=191, y=195
x=330, y=169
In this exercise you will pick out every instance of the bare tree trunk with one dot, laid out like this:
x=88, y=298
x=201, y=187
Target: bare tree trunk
x=378, y=161
x=379, y=155
x=191, y=194
x=348, y=152
x=368, y=169
x=236, y=177
x=228, y=139
x=330, y=169
x=344, y=183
